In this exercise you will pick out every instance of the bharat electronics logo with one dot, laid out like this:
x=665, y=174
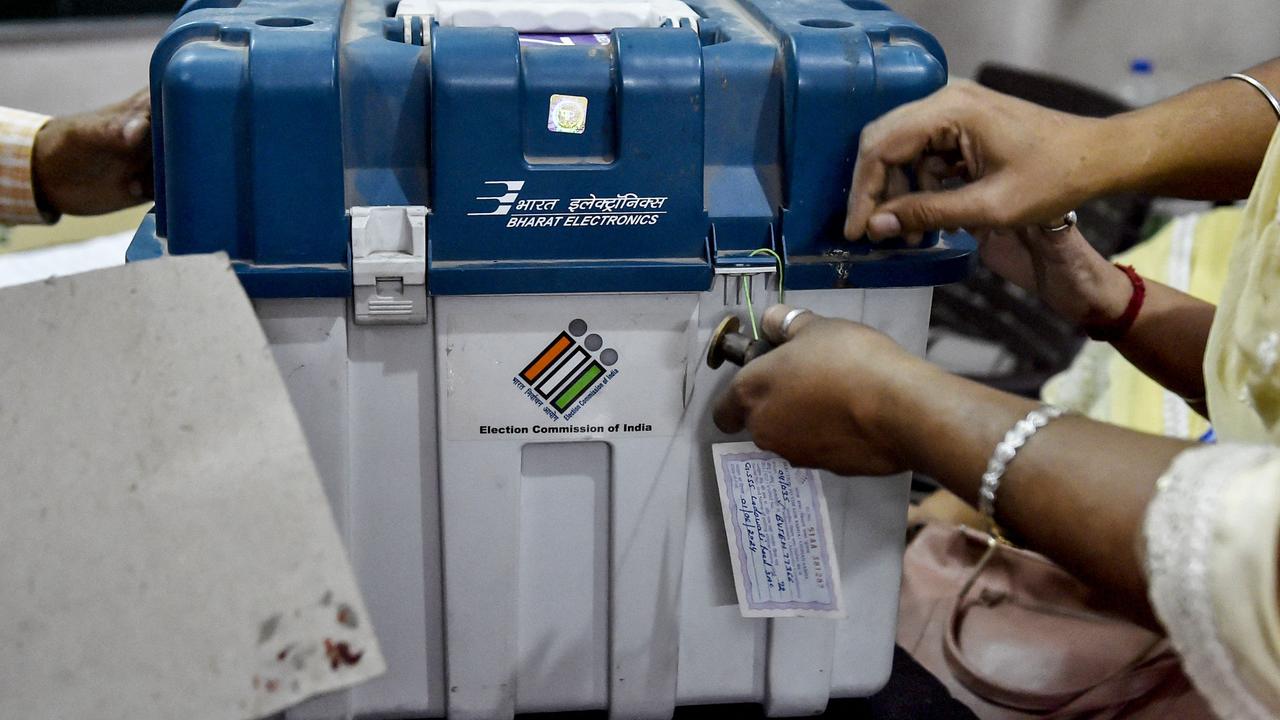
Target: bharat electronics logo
x=611, y=211
x=571, y=370
x=504, y=201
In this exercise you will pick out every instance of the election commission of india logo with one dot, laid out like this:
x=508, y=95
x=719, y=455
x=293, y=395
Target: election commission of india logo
x=571, y=370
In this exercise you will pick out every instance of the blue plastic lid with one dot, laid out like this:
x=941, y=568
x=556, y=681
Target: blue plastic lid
x=1141, y=66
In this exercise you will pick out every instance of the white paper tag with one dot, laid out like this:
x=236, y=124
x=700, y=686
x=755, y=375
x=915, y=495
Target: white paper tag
x=784, y=559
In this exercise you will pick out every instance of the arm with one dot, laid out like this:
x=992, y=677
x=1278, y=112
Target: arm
x=1167, y=342
x=1206, y=143
x=1168, y=337
x=844, y=397
x=1076, y=492
x=1025, y=164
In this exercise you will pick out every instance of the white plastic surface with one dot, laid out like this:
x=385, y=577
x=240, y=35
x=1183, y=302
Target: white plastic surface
x=794, y=666
x=578, y=571
x=366, y=399
x=551, y=16
x=563, y=552
x=308, y=340
x=482, y=343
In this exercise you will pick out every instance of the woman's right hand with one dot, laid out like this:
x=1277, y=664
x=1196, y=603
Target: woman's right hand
x=1021, y=164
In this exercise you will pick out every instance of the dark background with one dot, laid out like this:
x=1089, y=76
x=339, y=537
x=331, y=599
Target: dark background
x=43, y=9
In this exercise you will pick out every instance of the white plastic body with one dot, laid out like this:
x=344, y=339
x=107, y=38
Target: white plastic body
x=551, y=16
x=570, y=571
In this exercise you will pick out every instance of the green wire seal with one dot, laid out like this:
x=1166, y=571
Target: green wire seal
x=782, y=288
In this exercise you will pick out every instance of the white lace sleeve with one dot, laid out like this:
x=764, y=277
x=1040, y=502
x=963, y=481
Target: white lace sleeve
x=1210, y=537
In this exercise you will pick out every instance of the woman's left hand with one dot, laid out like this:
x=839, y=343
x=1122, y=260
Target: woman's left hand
x=1062, y=268
x=821, y=399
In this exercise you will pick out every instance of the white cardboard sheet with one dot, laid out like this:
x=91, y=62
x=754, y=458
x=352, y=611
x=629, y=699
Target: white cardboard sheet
x=166, y=548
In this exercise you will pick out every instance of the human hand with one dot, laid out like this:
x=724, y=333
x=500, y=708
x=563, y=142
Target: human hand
x=819, y=398
x=95, y=162
x=1023, y=164
x=1068, y=274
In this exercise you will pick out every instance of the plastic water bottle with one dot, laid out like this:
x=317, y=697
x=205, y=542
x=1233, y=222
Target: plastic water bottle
x=1140, y=87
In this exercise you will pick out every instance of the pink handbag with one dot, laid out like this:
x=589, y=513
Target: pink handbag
x=1013, y=636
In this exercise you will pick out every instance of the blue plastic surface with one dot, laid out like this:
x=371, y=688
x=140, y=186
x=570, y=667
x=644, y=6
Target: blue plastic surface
x=273, y=117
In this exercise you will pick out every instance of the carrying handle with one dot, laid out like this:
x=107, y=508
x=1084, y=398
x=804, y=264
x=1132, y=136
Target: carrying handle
x=552, y=16
x=1136, y=678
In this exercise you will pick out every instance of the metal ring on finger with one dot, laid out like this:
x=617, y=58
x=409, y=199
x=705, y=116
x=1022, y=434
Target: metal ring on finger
x=1067, y=222
x=790, y=317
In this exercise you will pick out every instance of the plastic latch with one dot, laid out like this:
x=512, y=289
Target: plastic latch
x=389, y=264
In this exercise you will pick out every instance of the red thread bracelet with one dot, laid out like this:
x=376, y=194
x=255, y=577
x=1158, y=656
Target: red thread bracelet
x=1113, y=330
